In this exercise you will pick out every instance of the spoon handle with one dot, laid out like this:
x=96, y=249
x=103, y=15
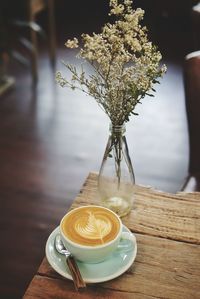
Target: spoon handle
x=76, y=275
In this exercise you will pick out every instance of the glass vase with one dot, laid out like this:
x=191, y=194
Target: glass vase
x=116, y=177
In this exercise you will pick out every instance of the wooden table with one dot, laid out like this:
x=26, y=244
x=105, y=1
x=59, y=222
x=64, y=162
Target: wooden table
x=167, y=228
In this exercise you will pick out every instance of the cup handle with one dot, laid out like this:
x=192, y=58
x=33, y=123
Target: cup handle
x=129, y=245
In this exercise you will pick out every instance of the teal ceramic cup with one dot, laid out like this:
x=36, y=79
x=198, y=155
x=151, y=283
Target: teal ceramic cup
x=97, y=221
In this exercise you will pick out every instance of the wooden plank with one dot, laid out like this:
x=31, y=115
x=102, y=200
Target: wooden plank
x=47, y=288
x=173, y=216
x=163, y=269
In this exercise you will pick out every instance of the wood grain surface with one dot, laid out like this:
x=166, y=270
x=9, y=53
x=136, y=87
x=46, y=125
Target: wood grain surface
x=168, y=260
x=172, y=216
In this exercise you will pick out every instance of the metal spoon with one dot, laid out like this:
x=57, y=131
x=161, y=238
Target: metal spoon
x=76, y=275
x=60, y=246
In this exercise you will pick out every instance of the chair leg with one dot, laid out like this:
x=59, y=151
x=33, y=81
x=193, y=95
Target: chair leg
x=52, y=39
x=34, y=57
x=34, y=8
x=34, y=42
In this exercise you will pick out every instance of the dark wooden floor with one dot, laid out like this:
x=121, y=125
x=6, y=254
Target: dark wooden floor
x=51, y=138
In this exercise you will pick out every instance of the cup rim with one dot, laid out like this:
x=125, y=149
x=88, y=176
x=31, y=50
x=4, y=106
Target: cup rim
x=90, y=246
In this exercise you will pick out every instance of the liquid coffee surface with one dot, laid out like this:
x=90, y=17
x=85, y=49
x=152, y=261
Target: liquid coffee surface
x=91, y=226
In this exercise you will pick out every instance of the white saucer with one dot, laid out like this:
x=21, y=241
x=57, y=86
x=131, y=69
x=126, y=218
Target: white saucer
x=115, y=265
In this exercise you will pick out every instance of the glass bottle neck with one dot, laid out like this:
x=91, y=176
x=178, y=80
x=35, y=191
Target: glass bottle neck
x=117, y=129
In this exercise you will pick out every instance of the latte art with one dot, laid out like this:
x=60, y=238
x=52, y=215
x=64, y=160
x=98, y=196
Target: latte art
x=96, y=227
x=91, y=226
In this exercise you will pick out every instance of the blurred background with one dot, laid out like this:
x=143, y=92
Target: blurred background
x=51, y=138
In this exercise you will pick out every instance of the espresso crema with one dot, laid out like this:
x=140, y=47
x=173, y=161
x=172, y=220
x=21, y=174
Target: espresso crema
x=90, y=226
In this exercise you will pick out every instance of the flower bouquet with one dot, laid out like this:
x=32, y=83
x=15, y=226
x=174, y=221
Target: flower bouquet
x=126, y=65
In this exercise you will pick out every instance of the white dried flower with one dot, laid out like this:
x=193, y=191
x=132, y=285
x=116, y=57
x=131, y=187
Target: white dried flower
x=117, y=10
x=126, y=64
x=72, y=43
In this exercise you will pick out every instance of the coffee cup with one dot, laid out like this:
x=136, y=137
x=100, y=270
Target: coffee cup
x=92, y=233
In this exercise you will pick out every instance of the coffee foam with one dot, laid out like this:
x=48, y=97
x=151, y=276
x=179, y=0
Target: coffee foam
x=98, y=226
x=91, y=226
